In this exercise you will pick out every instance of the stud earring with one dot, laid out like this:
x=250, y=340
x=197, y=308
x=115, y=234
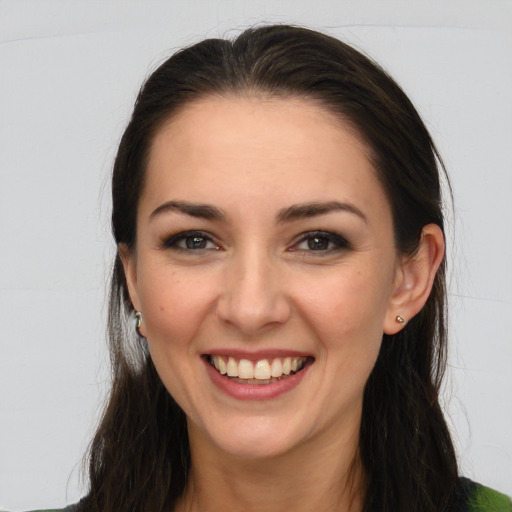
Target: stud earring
x=138, y=322
x=400, y=319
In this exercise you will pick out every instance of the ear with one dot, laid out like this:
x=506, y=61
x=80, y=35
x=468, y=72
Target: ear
x=414, y=279
x=130, y=272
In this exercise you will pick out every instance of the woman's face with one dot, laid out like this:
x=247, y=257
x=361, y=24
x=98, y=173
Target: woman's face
x=264, y=243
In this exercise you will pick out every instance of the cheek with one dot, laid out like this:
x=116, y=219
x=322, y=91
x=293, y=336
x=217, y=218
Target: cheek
x=174, y=303
x=347, y=314
x=351, y=299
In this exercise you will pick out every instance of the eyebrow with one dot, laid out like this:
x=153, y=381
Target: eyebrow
x=291, y=213
x=203, y=211
x=301, y=211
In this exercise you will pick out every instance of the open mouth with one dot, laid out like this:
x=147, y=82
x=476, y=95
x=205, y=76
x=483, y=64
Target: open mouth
x=263, y=371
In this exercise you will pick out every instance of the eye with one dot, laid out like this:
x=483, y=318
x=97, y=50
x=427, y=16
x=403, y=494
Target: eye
x=190, y=240
x=321, y=241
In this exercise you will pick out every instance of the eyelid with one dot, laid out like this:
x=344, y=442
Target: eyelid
x=338, y=240
x=170, y=241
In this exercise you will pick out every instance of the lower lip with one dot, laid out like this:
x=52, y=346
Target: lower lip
x=255, y=391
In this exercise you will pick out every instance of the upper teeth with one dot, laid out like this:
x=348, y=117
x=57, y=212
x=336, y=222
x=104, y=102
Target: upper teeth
x=261, y=370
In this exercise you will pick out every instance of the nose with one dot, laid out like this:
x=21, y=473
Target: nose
x=253, y=299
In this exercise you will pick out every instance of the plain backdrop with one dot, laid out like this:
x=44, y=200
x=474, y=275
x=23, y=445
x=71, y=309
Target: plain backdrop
x=69, y=73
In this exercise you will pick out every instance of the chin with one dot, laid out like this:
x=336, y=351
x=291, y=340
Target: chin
x=256, y=448
x=248, y=441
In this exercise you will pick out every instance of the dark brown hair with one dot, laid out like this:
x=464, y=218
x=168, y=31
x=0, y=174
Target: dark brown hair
x=139, y=458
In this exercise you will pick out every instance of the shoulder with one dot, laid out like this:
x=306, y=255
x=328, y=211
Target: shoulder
x=473, y=497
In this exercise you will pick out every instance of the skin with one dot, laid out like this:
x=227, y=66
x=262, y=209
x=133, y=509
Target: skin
x=257, y=285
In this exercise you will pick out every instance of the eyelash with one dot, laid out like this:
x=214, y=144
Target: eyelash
x=172, y=241
x=337, y=241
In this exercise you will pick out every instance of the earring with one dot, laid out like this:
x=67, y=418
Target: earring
x=400, y=319
x=138, y=322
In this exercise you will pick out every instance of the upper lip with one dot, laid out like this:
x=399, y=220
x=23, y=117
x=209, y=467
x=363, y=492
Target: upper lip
x=256, y=355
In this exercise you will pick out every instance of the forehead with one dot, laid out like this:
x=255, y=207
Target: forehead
x=287, y=148
x=258, y=120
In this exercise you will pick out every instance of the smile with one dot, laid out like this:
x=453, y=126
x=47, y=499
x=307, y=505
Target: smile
x=263, y=371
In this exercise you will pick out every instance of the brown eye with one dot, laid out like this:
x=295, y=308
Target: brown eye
x=195, y=242
x=318, y=243
x=321, y=242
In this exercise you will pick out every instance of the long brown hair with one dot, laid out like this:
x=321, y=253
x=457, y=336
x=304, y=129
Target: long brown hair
x=139, y=458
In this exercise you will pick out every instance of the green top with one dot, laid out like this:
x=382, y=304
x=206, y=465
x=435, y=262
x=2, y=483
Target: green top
x=482, y=499
x=469, y=497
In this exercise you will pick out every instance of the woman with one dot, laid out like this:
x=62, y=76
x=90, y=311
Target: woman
x=278, y=214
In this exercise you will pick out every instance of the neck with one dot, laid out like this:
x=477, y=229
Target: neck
x=315, y=476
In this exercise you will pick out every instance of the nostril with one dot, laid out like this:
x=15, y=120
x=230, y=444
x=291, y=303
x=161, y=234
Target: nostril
x=251, y=314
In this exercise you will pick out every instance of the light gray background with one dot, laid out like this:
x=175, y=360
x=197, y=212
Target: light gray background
x=69, y=72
